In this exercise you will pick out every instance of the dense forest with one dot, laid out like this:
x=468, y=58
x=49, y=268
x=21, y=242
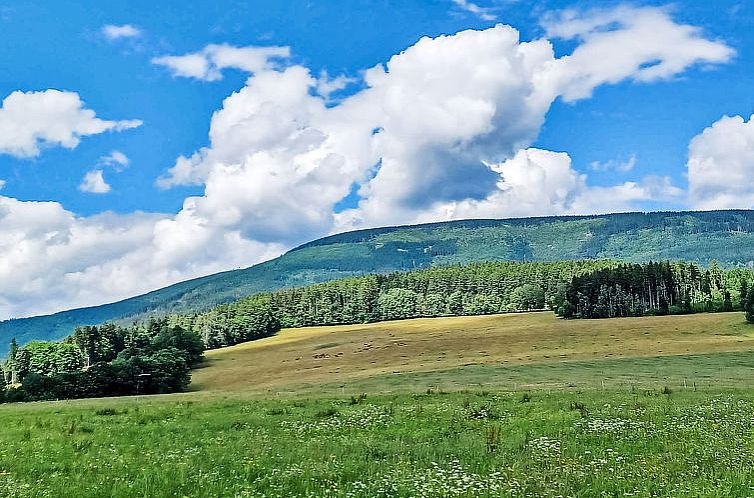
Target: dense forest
x=104, y=360
x=698, y=237
x=655, y=289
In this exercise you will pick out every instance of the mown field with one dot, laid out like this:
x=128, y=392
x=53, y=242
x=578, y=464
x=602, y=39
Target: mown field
x=500, y=352
x=515, y=405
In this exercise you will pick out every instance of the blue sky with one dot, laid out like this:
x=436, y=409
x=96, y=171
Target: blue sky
x=55, y=45
x=590, y=136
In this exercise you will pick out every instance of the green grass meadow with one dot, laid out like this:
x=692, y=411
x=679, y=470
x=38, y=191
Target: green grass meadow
x=277, y=419
x=529, y=443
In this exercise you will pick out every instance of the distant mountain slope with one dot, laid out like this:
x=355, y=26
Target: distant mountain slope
x=726, y=236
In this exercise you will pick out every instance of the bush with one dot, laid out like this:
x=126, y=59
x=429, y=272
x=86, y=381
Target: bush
x=161, y=372
x=38, y=386
x=15, y=395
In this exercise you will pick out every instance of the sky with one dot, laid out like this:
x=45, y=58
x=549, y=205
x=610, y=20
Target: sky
x=143, y=146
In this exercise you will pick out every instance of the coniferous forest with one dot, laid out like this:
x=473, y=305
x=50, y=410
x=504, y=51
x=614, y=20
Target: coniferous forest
x=475, y=289
x=655, y=289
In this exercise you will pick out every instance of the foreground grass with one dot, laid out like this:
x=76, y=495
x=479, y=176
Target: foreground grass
x=595, y=443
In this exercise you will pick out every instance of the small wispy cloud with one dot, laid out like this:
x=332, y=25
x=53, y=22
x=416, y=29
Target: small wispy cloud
x=483, y=12
x=94, y=183
x=208, y=63
x=116, y=158
x=117, y=32
x=614, y=165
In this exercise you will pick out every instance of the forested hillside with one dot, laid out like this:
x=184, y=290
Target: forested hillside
x=155, y=356
x=574, y=289
x=699, y=237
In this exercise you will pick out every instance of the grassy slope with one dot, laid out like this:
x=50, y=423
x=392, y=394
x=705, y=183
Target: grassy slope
x=726, y=236
x=489, y=441
x=493, y=352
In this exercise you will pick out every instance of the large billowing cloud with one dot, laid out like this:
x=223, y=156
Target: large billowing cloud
x=442, y=130
x=427, y=130
x=721, y=165
x=32, y=120
x=541, y=182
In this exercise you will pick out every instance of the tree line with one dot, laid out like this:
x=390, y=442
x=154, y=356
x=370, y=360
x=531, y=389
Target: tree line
x=474, y=289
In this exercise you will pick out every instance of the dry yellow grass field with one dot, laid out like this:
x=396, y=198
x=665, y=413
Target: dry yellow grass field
x=300, y=360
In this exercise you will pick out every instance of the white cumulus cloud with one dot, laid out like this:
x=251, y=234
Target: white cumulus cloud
x=430, y=133
x=54, y=260
x=94, y=183
x=641, y=43
x=32, y=120
x=539, y=182
x=721, y=165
